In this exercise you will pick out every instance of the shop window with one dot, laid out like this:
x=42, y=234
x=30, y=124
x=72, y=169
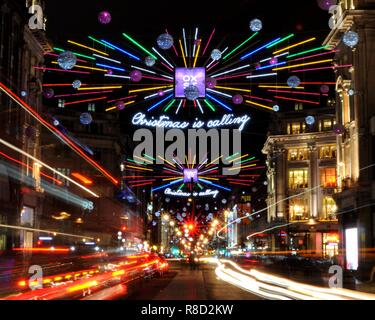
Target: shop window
x=328, y=177
x=298, y=209
x=326, y=125
x=296, y=128
x=298, y=179
x=328, y=152
x=329, y=208
x=298, y=154
x=330, y=245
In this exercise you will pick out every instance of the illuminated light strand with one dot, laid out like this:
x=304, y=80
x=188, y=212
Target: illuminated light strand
x=185, y=45
x=60, y=85
x=101, y=43
x=230, y=71
x=278, y=56
x=165, y=60
x=75, y=53
x=196, y=56
x=125, y=104
x=200, y=106
x=48, y=167
x=259, y=105
x=166, y=66
x=169, y=105
x=215, y=185
x=110, y=67
x=308, y=51
x=167, y=77
x=124, y=98
x=83, y=101
x=258, y=98
x=209, y=41
x=220, y=103
x=316, y=55
x=157, y=78
x=294, y=45
x=56, y=132
x=195, y=39
x=234, y=76
x=157, y=94
x=30, y=168
x=122, y=51
x=171, y=164
x=116, y=76
x=56, y=55
x=297, y=100
x=213, y=66
x=233, y=89
x=280, y=41
x=300, y=92
x=278, y=87
x=82, y=178
x=210, y=105
x=232, y=156
x=239, y=158
x=87, y=47
x=150, y=89
x=142, y=69
x=319, y=83
x=262, y=75
x=99, y=88
x=210, y=64
x=106, y=58
x=84, y=67
x=241, y=184
x=167, y=185
x=143, y=159
x=272, y=66
x=60, y=70
x=140, y=168
x=139, y=45
x=174, y=47
x=241, y=45
x=242, y=167
x=324, y=68
x=258, y=49
x=179, y=107
x=303, y=64
x=159, y=103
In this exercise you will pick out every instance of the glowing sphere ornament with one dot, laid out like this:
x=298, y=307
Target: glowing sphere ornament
x=326, y=4
x=110, y=72
x=276, y=108
x=273, y=61
x=211, y=83
x=310, y=120
x=150, y=61
x=56, y=123
x=48, y=93
x=351, y=39
x=161, y=93
x=104, y=17
x=77, y=84
x=324, y=89
x=191, y=93
x=339, y=129
x=216, y=55
x=256, y=25
x=136, y=76
x=351, y=92
x=67, y=60
x=237, y=99
x=85, y=118
x=120, y=105
x=165, y=41
x=23, y=93
x=294, y=82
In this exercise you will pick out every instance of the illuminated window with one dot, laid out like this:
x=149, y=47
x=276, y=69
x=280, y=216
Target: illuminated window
x=298, y=154
x=328, y=152
x=296, y=128
x=298, y=179
x=329, y=208
x=328, y=177
x=298, y=209
x=326, y=125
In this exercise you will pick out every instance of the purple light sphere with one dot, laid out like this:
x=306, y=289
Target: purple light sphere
x=136, y=76
x=104, y=17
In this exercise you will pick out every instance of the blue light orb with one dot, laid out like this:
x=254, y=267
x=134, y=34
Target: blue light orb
x=48, y=93
x=191, y=93
x=77, y=84
x=23, y=93
x=310, y=120
x=67, y=60
x=56, y=122
x=237, y=99
x=165, y=41
x=85, y=118
x=216, y=55
x=256, y=25
x=351, y=92
x=294, y=82
x=276, y=108
x=150, y=61
x=351, y=39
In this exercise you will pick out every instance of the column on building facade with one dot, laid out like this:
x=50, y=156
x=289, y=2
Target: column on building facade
x=281, y=182
x=313, y=181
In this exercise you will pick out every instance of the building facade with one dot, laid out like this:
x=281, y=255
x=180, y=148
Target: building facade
x=356, y=141
x=302, y=181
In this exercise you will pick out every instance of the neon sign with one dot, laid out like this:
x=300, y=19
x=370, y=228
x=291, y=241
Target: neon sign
x=180, y=193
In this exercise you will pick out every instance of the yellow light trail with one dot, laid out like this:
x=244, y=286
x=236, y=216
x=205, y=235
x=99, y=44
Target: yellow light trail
x=150, y=89
x=173, y=165
x=125, y=104
x=172, y=179
x=144, y=169
x=259, y=105
x=84, y=67
x=212, y=162
x=183, y=53
x=98, y=88
x=208, y=178
x=294, y=45
x=303, y=64
x=142, y=159
x=196, y=56
x=87, y=47
x=239, y=158
x=233, y=89
x=249, y=166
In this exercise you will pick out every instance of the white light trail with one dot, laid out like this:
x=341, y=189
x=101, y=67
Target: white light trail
x=116, y=76
x=230, y=71
x=262, y=75
x=165, y=60
x=105, y=58
x=220, y=93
